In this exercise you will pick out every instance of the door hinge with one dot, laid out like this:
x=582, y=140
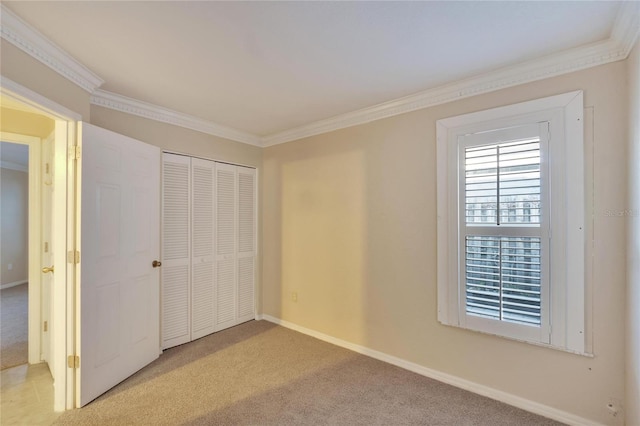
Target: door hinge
x=73, y=256
x=73, y=361
x=45, y=326
x=74, y=152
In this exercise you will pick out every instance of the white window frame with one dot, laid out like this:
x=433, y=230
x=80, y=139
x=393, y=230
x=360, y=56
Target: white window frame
x=565, y=302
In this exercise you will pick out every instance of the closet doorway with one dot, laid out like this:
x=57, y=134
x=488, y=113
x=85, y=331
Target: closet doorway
x=208, y=247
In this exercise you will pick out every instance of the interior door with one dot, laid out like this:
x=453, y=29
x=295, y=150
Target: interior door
x=120, y=228
x=46, y=247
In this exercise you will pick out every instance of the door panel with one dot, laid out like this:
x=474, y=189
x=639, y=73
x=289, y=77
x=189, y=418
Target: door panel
x=203, y=305
x=225, y=245
x=176, y=250
x=246, y=251
x=120, y=226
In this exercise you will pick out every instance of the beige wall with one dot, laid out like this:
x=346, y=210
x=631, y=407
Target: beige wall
x=633, y=263
x=350, y=226
x=14, y=205
x=33, y=74
x=24, y=123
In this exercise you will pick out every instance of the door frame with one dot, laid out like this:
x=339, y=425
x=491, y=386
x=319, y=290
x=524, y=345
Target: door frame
x=65, y=234
x=34, y=241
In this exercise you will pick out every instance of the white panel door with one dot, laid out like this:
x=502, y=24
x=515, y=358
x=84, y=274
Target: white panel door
x=225, y=246
x=203, y=306
x=246, y=248
x=120, y=226
x=176, y=250
x=46, y=258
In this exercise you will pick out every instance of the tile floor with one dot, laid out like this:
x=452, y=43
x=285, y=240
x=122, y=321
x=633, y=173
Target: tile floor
x=26, y=396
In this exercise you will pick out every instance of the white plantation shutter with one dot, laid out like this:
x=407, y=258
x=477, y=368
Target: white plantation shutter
x=203, y=304
x=176, y=201
x=511, y=191
x=504, y=228
x=246, y=242
x=226, y=183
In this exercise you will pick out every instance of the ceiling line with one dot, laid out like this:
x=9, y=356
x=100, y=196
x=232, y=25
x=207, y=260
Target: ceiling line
x=616, y=48
x=132, y=106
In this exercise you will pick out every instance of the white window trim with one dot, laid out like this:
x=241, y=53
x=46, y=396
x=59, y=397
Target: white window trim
x=567, y=202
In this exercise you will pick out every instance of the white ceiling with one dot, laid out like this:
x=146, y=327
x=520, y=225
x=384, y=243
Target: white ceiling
x=265, y=67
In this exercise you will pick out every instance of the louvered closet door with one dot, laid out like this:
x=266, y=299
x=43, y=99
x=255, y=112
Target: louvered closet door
x=225, y=246
x=176, y=243
x=203, y=306
x=246, y=251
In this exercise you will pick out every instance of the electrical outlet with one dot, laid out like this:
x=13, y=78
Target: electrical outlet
x=294, y=296
x=10, y=266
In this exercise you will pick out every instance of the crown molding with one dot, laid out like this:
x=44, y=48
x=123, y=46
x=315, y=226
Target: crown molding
x=127, y=105
x=623, y=36
x=29, y=40
x=627, y=26
x=617, y=47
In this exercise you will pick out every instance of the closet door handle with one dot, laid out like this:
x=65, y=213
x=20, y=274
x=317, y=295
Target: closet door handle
x=156, y=263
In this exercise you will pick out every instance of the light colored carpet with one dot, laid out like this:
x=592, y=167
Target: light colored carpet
x=14, y=330
x=262, y=374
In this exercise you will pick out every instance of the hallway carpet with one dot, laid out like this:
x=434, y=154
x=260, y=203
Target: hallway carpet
x=14, y=329
x=261, y=374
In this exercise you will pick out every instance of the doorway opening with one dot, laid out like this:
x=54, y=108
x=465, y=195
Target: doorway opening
x=14, y=253
x=47, y=129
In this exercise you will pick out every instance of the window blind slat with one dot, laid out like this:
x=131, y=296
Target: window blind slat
x=502, y=276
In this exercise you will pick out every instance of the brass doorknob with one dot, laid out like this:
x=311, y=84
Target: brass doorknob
x=156, y=263
x=47, y=269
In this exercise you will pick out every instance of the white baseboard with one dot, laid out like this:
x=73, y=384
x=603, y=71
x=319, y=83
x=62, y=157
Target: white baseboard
x=13, y=284
x=507, y=398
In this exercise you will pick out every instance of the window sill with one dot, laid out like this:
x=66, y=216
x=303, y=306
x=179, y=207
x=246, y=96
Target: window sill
x=515, y=339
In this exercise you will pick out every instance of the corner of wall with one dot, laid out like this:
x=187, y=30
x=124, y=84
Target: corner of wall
x=632, y=368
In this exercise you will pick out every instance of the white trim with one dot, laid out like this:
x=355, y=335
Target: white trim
x=35, y=100
x=627, y=26
x=527, y=107
x=564, y=112
x=550, y=66
x=498, y=395
x=164, y=115
x=623, y=36
x=13, y=284
x=14, y=166
x=35, y=44
x=64, y=287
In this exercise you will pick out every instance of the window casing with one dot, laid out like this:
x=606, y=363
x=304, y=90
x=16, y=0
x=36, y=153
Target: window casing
x=511, y=222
